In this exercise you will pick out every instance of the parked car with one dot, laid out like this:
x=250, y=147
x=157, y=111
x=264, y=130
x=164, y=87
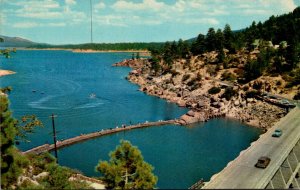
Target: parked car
x=263, y=162
x=277, y=133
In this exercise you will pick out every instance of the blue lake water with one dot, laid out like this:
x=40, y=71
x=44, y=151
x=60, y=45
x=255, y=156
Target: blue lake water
x=63, y=82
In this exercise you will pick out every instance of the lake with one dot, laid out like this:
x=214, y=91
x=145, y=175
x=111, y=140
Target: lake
x=61, y=82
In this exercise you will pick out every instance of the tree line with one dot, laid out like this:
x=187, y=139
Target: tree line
x=283, y=30
x=105, y=46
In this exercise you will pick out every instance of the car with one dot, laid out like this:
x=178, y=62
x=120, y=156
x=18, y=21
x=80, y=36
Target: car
x=263, y=162
x=277, y=133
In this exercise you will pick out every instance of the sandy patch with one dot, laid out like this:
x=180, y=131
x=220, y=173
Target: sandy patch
x=6, y=72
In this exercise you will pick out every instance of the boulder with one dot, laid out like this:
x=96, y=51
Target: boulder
x=250, y=100
x=243, y=103
x=40, y=175
x=213, y=99
x=215, y=104
x=200, y=104
x=191, y=113
x=186, y=119
x=236, y=103
x=181, y=103
x=194, y=105
x=221, y=104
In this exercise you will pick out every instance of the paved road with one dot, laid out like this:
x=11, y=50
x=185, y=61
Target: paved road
x=241, y=173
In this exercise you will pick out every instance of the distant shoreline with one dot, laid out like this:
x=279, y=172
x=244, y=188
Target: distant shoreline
x=87, y=50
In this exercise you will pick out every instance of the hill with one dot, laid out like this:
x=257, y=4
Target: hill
x=16, y=42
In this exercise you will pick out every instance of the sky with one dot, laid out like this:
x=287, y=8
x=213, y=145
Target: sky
x=68, y=21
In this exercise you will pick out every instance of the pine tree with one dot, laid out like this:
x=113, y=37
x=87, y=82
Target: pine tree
x=210, y=40
x=11, y=161
x=228, y=37
x=127, y=169
x=198, y=47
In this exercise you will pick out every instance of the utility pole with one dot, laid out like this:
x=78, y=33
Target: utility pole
x=91, y=10
x=54, y=137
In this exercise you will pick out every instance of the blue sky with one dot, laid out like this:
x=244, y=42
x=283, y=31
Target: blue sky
x=68, y=21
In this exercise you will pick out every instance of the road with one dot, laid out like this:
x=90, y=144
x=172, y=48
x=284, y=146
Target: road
x=241, y=172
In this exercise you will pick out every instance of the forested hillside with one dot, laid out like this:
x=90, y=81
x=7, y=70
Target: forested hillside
x=267, y=48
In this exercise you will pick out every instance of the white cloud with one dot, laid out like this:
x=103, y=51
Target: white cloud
x=3, y=18
x=209, y=21
x=59, y=24
x=217, y=12
x=45, y=9
x=35, y=24
x=37, y=4
x=125, y=13
x=100, y=5
x=70, y=2
x=262, y=7
x=39, y=14
x=180, y=6
x=111, y=20
x=149, y=5
x=256, y=12
x=25, y=25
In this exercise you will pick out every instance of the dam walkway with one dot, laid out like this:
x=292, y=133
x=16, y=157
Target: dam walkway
x=102, y=132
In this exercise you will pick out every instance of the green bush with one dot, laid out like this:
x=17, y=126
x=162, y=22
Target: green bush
x=185, y=77
x=297, y=96
x=252, y=93
x=214, y=90
x=229, y=93
x=192, y=82
x=246, y=88
x=228, y=76
x=58, y=178
x=257, y=85
x=41, y=162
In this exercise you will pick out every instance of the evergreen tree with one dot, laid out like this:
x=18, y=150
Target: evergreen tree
x=168, y=54
x=198, y=47
x=219, y=40
x=210, y=40
x=174, y=50
x=183, y=49
x=292, y=55
x=11, y=161
x=228, y=37
x=127, y=169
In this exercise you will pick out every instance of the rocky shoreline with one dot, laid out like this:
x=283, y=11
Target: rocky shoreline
x=203, y=105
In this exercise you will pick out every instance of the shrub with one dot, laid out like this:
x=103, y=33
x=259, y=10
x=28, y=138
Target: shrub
x=278, y=83
x=297, y=96
x=228, y=76
x=229, y=93
x=257, y=85
x=174, y=72
x=246, y=88
x=252, y=93
x=185, y=77
x=214, y=90
x=211, y=69
x=192, y=82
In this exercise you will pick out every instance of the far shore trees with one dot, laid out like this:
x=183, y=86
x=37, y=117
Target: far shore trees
x=127, y=169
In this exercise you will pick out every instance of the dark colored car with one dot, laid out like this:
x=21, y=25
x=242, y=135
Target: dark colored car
x=277, y=133
x=263, y=162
